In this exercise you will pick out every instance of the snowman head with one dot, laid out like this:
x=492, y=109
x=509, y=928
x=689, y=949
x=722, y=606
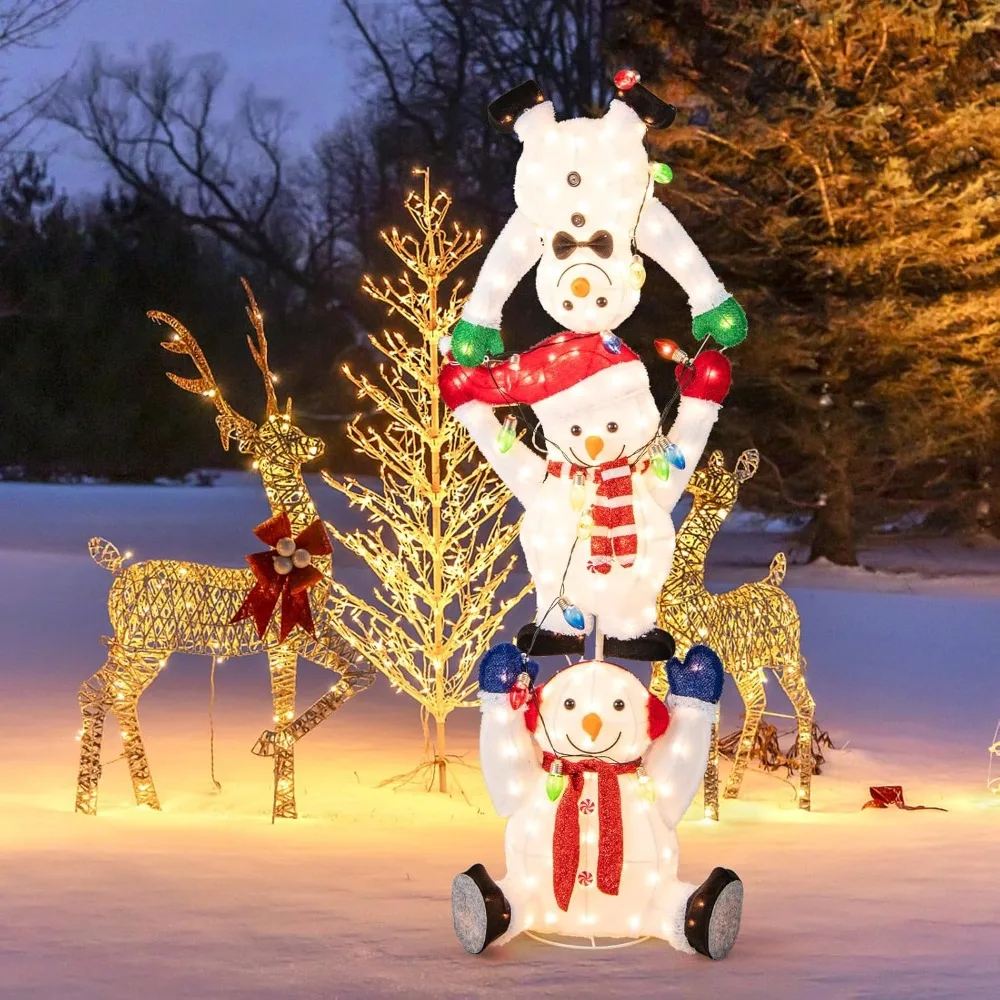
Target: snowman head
x=583, y=183
x=596, y=710
x=603, y=416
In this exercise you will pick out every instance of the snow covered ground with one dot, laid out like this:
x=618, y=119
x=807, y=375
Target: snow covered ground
x=207, y=899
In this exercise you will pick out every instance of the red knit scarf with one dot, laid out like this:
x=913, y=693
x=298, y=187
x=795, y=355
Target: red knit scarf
x=566, y=835
x=614, y=533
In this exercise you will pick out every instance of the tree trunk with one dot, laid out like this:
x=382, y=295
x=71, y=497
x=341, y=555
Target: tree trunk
x=833, y=529
x=439, y=758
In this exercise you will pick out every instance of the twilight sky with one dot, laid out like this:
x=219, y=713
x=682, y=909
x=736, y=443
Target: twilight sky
x=297, y=50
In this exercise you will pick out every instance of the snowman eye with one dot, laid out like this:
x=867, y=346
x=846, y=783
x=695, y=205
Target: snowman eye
x=602, y=301
x=619, y=705
x=567, y=304
x=576, y=430
x=569, y=703
x=612, y=427
x=573, y=179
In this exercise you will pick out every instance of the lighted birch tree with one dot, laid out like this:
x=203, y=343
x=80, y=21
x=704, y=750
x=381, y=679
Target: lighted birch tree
x=438, y=543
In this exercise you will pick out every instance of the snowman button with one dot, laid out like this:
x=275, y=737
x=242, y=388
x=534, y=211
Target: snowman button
x=577, y=219
x=573, y=179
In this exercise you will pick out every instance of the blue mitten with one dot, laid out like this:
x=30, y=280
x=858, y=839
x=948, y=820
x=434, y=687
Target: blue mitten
x=500, y=667
x=699, y=676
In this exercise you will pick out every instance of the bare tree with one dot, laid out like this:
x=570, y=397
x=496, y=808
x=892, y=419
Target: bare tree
x=23, y=24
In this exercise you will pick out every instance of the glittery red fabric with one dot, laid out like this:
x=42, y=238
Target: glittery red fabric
x=614, y=534
x=291, y=589
x=566, y=836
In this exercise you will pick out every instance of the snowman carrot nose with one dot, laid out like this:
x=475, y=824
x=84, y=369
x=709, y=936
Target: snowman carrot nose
x=580, y=287
x=594, y=445
x=592, y=725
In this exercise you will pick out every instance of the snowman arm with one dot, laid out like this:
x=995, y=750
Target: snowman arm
x=690, y=431
x=659, y=235
x=513, y=253
x=676, y=762
x=521, y=470
x=507, y=753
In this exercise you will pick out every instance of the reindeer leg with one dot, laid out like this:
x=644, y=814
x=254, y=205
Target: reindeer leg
x=282, y=665
x=751, y=687
x=792, y=679
x=134, y=673
x=94, y=707
x=711, y=783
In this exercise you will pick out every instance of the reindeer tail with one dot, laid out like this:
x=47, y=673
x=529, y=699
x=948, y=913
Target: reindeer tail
x=779, y=565
x=106, y=555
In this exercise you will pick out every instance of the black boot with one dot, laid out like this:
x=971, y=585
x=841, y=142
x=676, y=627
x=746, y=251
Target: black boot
x=652, y=646
x=479, y=910
x=535, y=641
x=712, y=920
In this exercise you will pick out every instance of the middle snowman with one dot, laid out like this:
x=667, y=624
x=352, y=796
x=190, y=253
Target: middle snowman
x=597, y=534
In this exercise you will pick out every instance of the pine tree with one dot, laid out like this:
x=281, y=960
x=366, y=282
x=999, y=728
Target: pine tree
x=436, y=606
x=842, y=159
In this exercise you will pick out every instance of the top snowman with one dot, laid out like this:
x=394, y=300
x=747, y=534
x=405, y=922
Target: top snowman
x=585, y=206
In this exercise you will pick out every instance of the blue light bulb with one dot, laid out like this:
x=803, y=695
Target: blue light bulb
x=675, y=456
x=572, y=614
x=612, y=342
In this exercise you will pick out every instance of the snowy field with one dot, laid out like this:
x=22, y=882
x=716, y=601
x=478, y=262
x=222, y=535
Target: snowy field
x=209, y=900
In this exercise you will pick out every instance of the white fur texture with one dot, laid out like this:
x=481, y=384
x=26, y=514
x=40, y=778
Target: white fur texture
x=651, y=899
x=615, y=193
x=624, y=599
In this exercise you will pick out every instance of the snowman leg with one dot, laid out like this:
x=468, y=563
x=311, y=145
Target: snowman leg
x=623, y=642
x=703, y=919
x=668, y=913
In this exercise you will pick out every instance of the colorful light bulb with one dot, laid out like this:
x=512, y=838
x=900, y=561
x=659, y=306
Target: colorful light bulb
x=555, y=781
x=636, y=272
x=669, y=350
x=611, y=341
x=507, y=435
x=674, y=456
x=578, y=491
x=585, y=526
x=661, y=173
x=660, y=467
x=626, y=79
x=572, y=614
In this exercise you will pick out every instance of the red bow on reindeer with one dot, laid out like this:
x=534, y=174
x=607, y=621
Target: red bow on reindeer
x=285, y=571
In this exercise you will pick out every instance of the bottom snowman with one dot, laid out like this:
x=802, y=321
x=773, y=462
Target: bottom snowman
x=594, y=773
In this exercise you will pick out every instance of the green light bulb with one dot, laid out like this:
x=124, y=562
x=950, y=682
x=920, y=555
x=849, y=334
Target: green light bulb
x=554, y=784
x=661, y=467
x=661, y=173
x=507, y=435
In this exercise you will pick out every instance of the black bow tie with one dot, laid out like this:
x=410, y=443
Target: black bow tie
x=602, y=243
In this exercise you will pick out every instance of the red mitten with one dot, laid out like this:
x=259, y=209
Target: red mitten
x=709, y=377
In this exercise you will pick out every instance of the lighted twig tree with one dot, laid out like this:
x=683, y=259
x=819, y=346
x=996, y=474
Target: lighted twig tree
x=436, y=606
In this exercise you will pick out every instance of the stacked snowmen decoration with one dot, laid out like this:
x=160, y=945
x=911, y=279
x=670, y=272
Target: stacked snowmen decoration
x=593, y=772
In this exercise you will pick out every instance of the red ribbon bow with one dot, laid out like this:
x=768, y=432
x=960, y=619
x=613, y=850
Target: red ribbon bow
x=566, y=835
x=293, y=587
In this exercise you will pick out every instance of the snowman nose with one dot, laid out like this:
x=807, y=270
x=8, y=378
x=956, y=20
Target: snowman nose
x=592, y=725
x=580, y=287
x=594, y=445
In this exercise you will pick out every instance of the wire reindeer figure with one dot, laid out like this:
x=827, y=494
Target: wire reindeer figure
x=163, y=606
x=753, y=628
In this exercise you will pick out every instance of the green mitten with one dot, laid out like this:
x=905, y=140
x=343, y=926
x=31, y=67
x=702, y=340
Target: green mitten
x=727, y=324
x=471, y=343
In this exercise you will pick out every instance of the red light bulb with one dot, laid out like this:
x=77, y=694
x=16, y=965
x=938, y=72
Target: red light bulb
x=626, y=79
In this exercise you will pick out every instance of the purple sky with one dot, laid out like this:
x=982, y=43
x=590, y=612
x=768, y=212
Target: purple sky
x=297, y=50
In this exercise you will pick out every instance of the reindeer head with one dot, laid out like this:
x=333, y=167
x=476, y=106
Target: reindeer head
x=276, y=441
x=714, y=485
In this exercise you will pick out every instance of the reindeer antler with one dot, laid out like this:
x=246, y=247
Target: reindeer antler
x=747, y=465
x=231, y=424
x=259, y=351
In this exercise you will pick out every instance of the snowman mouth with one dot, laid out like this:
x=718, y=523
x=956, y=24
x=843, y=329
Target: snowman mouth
x=593, y=753
x=590, y=465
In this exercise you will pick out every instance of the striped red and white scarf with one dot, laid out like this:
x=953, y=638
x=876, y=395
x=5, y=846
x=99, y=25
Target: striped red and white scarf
x=614, y=534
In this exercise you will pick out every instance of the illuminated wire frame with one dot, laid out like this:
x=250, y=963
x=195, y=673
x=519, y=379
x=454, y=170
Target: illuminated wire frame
x=993, y=784
x=165, y=606
x=753, y=628
x=435, y=609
